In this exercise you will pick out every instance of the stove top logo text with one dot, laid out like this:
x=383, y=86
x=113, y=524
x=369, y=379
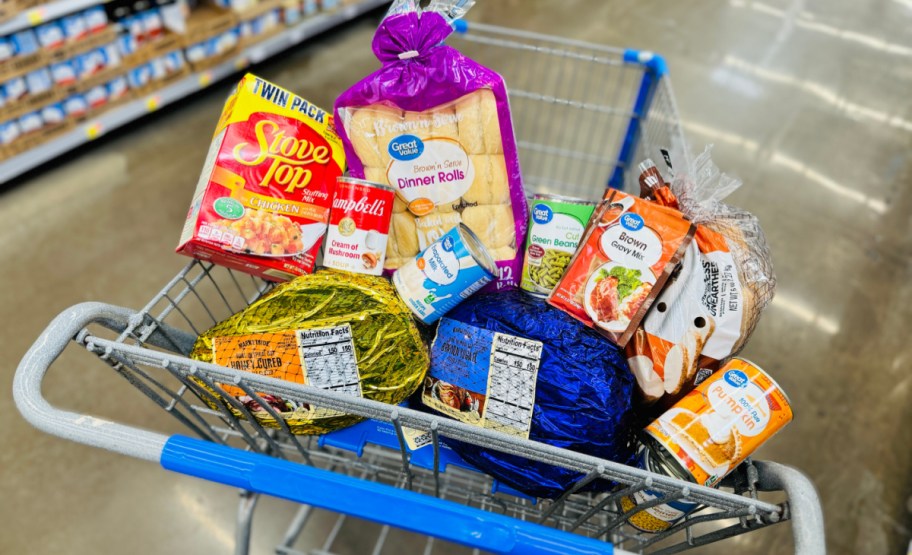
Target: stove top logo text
x=287, y=156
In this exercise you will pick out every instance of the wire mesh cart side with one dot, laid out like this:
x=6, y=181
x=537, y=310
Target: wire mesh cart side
x=583, y=115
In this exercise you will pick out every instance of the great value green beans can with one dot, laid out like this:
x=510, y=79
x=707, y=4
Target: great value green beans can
x=556, y=225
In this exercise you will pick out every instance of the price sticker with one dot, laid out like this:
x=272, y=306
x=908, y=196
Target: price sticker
x=241, y=62
x=36, y=16
x=94, y=130
x=205, y=78
x=153, y=103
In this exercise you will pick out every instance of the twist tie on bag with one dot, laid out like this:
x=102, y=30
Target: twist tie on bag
x=409, y=35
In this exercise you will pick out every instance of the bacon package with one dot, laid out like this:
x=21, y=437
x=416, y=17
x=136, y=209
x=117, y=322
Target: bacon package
x=262, y=202
x=708, y=310
x=436, y=127
x=629, y=250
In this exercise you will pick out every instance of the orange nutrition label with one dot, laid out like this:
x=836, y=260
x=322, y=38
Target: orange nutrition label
x=320, y=357
x=723, y=421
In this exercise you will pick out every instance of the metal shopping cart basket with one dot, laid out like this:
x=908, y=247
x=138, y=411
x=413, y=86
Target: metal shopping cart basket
x=583, y=113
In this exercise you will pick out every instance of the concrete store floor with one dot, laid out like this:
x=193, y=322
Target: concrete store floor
x=806, y=100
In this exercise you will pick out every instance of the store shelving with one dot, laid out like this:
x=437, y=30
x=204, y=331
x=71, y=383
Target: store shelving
x=45, y=12
x=117, y=117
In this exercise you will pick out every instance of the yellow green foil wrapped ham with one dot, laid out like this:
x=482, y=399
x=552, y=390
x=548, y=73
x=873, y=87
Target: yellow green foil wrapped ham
x=334, y=330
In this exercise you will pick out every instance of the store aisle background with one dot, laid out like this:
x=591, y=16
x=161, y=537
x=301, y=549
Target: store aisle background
x=807, y=101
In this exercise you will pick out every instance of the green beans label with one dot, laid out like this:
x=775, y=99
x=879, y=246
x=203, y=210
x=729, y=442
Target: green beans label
x=555, y=229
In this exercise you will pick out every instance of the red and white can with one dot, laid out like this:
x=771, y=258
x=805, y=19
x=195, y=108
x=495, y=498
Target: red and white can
x=359, y=223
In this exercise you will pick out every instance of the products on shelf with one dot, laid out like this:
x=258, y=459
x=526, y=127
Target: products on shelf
x=53, y=114
x=15, y=88
x=96, y=19
x=118, y=88
x=76, y=106
x=31, y=122
x=50, y=35
x=39, y=81
x=25, y=42
x=7, y=49
x=74, y=27
x=9, y=132
x=63, y=73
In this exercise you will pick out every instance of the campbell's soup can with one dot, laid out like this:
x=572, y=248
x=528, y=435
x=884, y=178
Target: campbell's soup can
x=444, y=274
x=722, y=422
x=556, y=225
x=659, y=517
x=359, y=222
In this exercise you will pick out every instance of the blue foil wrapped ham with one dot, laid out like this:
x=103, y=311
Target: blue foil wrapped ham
x=583, y=389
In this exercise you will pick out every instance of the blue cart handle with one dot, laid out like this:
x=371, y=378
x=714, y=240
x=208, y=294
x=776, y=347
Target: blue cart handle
x=379, y=503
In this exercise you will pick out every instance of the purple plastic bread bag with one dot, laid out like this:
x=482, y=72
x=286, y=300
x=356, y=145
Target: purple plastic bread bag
x=435, y=126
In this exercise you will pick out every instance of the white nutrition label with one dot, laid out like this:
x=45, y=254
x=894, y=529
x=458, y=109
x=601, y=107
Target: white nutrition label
x=328, y=359
x=511, y=384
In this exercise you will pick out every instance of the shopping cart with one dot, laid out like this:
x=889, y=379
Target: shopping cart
x=395, y=468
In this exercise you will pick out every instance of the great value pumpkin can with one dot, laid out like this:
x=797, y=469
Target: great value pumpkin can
x=723, y=421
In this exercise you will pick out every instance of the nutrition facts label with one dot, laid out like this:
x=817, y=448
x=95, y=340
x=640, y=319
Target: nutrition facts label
x=328, y=357
x=511, y=384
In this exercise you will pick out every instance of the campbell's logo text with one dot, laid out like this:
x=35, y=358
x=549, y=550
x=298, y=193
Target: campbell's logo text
x=287, y=156
x=362, y=205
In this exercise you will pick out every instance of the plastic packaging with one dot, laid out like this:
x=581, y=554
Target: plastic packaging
x=31, y=122
x=50, y=35
x=9, y=132
x=63, y=73
x=117, y=88
x=344, y=332
x=580, y=383
x=436, y=126
x=96, y=18
x=707, y=312
x=76, y=106
x=39, y=81
x=53, y=114
x=15, y=89
x=25, y=42
x=7, y=49
x=74, y=27
x=629, y=251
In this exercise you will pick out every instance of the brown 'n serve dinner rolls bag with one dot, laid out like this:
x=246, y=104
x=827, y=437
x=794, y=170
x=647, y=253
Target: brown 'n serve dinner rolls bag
x=436, y=126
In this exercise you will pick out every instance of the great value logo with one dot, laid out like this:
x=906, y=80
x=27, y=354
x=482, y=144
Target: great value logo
x=406, y=147
x=542, y=214
x=632, y=222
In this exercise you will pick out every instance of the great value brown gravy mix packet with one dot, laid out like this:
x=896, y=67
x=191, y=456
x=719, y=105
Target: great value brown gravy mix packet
x=262, y=202
x=630, y=248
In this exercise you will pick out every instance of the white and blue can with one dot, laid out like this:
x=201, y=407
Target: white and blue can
x=444, y=274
